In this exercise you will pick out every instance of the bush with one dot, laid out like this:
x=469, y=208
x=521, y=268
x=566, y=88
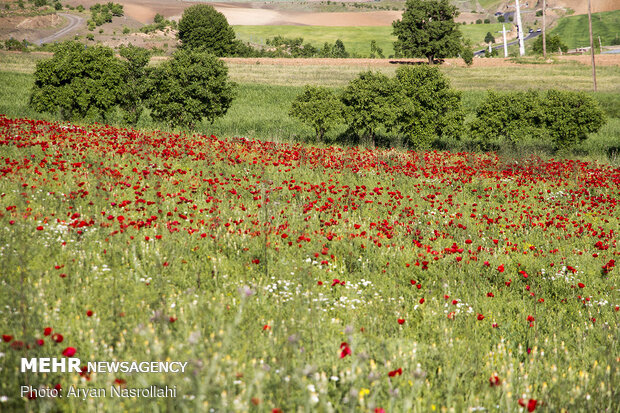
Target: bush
x=371, y=101
x=57, y=6
x=479, y=21
x=561, y=118
x=190, y=86
x=15, y=45
x=501, y=19
x=202, y=27
x=40, y=3
x=554, y=43
x=487, y=21
x=319, y=108
x=131, y=100
x=429, y=108
x=78, y=81
x=570, y=116
x=468, y=55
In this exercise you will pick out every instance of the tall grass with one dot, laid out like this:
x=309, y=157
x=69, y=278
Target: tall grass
x=573, y=30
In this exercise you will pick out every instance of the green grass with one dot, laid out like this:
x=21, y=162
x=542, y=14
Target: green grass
x=573, y=30
x=356, y=39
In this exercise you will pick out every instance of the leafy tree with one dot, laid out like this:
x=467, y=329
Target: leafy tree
x=507, y=118
x=554, y=43
x=570, y=116
x=158, y=18
x=339, y=51
x=375, y=51
x=430, y=108
x=561, y=118
x=319, y=108
x=131, y=100
x=40, y=3
x=501, y=19
x=489, y=38
x=467, y=54
x=428, y=29
x=192, y=85
x=371, y=100
x=78, y=81
x=202, y=27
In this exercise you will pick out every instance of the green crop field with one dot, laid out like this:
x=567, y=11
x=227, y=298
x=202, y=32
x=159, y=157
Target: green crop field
x=573, y=30
x=356, y=39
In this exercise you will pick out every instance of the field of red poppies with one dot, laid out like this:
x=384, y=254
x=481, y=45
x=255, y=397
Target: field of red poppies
x=292, y=277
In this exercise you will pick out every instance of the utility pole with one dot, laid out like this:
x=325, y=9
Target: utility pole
x=544, y=29
x=505, y=44
x=591, y=43
x=520, y=29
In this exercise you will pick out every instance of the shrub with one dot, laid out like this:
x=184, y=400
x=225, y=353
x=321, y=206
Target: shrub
x=468, y=55
x=562, y=118
x=479, y=21
x=319, y=108
x=554, y=43
x=15, y=45
x=202, y=27
x=40, y=3
x=78, y=81
x=190, y=86
x=487, y=21
x=429, y=109
x=371, y=101
x=501, y=19
x=570, y=116
x=131, y=100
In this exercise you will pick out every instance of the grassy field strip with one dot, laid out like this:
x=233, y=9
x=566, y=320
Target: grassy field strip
x=356, y=39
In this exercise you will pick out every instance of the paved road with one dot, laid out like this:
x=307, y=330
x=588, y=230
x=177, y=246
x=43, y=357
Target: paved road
x=74, y=23
x=501, y=45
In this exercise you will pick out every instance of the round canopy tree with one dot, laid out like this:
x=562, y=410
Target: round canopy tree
x=427, y=29
x=190, y=86
x=203, y=27
x=78, y=82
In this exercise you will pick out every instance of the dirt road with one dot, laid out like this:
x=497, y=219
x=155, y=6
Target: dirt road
x=74, y=23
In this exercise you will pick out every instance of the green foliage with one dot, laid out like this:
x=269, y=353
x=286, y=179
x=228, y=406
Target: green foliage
x=78, y=81
x=202, y=27
x=158, y=18
x=318, y=107
x=489, y=38
x=126, y=30
x=375, y=51
x=559, y=118
x=554, y=43
x=131, y=100
x=372, y=101
x=430, y=109
x=467, y=54
x=57, y=6
x=192, y=85
x=15, y=45
x=290, y=47
x=40, y=3
x=501, y=19
x=479, y=21
x=428, y=29
x=80, y=8
x=570, y=116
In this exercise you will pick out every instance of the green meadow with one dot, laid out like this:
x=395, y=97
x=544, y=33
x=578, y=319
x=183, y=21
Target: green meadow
x=356, y=39
x=573, y=30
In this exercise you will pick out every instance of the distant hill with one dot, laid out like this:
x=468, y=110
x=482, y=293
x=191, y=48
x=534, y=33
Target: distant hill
x=573, y=30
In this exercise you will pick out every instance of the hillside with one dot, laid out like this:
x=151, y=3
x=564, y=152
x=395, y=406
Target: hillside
x=574, y=29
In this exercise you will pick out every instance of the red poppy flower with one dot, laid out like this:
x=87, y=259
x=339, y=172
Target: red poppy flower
x=58, y=338
x=69, y=352
x=422, y=300
x=480, y=317
x=581, y=285
x=6, y=338
x=500, y=268
x=401, y=321
x=47, y=331
x=397, y=372
x=89, y=313
x=494, y=381
x=529, y=404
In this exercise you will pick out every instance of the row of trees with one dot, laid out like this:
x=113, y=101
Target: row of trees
x=89, y=82
x=419, y=105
